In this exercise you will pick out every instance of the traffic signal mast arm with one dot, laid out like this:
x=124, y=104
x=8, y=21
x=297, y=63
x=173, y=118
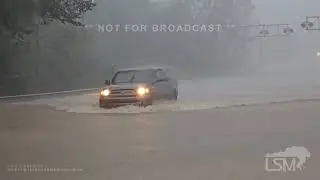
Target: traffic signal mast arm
x=267, y=30
x=312, y=23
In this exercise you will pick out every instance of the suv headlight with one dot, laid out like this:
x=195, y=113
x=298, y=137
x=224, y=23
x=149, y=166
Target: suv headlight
x=105, y=92
x=142, y=91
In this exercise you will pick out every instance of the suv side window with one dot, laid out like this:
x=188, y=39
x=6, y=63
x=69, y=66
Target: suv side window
x=161, y=74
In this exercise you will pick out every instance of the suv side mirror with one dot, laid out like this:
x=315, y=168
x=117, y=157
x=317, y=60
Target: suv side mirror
x=107, y=82
x=160, y=80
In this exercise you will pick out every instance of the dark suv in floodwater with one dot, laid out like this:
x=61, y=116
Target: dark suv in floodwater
x=139, y=86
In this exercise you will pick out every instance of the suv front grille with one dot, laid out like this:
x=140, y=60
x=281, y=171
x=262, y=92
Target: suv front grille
x=123, y=93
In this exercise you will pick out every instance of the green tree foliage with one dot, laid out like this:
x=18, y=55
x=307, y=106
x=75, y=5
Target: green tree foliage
x=18, y=21
x=18, y=18
x=66, y=11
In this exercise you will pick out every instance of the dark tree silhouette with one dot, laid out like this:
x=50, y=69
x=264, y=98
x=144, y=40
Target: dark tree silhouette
x=67, y=11
x=19, y=18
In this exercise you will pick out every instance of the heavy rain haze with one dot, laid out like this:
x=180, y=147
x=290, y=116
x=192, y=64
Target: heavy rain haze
x=297, y=51
x=78, y=54
x=60, y=56
x=246, y=86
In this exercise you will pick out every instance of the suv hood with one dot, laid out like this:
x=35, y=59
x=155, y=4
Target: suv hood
x=126, y=85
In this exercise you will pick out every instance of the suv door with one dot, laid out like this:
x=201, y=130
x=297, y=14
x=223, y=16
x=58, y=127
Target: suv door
x=164, y=84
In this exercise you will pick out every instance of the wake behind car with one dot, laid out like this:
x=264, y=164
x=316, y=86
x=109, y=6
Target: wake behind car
x=139, y=86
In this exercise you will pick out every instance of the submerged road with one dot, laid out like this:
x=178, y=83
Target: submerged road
x=187, y=140
x=227, y=143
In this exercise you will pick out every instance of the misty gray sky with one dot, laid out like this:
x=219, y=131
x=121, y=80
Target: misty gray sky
x=285, y=11
x=295, y=48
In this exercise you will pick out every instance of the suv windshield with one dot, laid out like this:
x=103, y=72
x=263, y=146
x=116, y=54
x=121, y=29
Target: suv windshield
x=136, y=76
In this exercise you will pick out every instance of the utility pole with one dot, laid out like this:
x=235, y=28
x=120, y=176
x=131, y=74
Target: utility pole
x=36, y=73
x=261, y=49
x=312, y=23
x=113, y=68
